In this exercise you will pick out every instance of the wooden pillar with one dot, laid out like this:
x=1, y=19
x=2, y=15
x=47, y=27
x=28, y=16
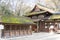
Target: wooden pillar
x=38, y=26
x=30, y=29
x=10, y=30
x=15, y=30
x=19, y=29
x=24, y=29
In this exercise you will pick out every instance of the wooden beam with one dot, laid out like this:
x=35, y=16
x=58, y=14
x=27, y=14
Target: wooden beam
x=19, y=30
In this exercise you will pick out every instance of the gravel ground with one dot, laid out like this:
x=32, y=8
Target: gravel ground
x=37, y=36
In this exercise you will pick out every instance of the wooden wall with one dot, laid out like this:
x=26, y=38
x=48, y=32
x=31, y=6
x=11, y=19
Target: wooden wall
x=16, y=30
x=42, y=27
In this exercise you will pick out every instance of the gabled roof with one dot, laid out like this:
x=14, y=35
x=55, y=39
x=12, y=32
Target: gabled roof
x=48, y=9
x=51, y=5
x=34, y=13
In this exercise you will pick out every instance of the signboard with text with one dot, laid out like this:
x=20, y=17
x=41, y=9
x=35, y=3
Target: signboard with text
x=1, y=26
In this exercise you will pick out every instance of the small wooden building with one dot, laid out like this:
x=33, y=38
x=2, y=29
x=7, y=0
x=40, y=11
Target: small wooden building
x=44, y=18
x=53, y=20
x=16, y=26
x=38, y=16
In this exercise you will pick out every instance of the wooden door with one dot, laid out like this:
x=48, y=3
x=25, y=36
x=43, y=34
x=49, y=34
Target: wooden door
x=42, y=26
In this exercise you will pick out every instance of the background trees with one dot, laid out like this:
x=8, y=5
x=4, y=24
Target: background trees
x=21, y=7
x=24, y=6
x=5, y=9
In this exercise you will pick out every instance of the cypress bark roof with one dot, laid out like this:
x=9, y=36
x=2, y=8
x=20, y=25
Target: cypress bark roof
x=34, y=13
x=54, y=17
x=13, y=19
